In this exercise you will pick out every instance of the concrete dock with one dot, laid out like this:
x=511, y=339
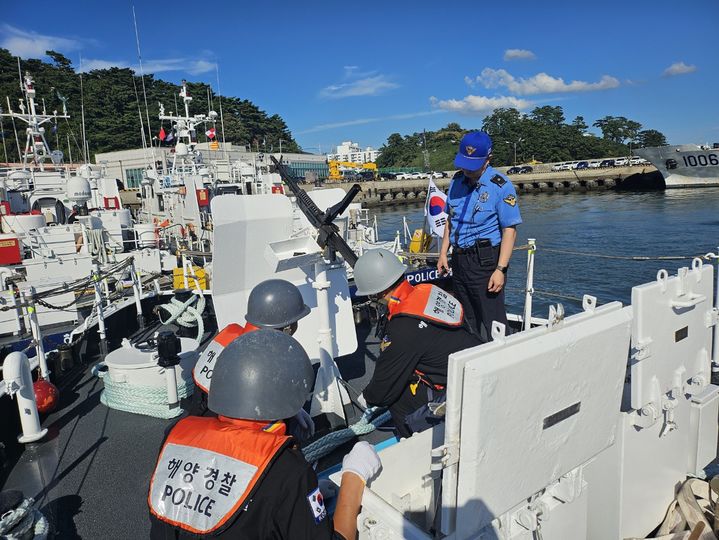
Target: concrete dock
x=389, y=192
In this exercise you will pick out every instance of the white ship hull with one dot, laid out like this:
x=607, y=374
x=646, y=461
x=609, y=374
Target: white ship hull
x=685, y=166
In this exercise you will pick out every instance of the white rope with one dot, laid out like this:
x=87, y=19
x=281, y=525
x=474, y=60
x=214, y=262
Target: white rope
x=97, y=245
x=186, y=315
x=145, y=400
x=24, y=522
x=325, y=445
x=691, y=507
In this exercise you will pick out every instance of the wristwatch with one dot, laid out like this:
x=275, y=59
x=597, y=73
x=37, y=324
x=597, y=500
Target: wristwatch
x=502, y=269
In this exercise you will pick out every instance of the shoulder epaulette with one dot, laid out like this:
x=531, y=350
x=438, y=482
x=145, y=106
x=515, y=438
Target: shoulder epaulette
x=499, y=180
x=457, y=175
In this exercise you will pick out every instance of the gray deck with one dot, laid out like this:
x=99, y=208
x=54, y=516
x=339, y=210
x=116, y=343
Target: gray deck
x=90, y=475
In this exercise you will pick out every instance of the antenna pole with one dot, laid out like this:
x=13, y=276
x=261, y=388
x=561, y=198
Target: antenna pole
x=222, y=118
x=144, y=91
x=85, y=147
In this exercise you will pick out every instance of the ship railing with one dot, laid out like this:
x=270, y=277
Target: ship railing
x=25, y=305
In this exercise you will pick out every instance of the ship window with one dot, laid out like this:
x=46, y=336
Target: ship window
x=133, y=177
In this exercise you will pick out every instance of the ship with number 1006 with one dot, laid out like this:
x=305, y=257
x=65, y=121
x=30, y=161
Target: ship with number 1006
x=686, y=165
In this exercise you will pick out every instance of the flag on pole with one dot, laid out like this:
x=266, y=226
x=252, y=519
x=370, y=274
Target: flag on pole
x=434, y=209
x=170, y=136
x=210, y=133
x=162, y=134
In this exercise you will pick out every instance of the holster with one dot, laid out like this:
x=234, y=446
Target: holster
x=485, y=252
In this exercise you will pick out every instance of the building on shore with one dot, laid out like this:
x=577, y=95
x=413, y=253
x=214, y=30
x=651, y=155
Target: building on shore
x=351, y=151
x=128, y=165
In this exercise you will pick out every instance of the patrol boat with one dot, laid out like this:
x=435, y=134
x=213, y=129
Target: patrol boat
x=547, y=433
x=686, y=165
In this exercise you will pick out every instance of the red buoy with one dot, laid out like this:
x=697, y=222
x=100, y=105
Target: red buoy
x=47, y=396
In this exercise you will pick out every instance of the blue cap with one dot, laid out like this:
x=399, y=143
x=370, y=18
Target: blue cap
x=474, y=149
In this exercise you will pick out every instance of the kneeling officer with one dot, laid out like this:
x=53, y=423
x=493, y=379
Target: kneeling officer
x=238, y=475
x=274, y=303
x=425, y=325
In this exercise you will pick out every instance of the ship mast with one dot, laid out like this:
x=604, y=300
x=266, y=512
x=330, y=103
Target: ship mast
x=36, y=147
x=186, y=132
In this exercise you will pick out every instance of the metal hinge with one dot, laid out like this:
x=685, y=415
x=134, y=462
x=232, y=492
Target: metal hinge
x=711, y=317
x=444, y=456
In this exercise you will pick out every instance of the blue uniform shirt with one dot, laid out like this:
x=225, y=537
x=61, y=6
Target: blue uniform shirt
x=481, y=209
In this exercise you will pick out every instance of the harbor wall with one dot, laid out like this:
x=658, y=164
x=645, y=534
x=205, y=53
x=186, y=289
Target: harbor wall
x=391, y=192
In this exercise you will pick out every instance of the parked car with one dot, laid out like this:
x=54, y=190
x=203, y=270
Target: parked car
x=557, y=166
x=582, y=165
x=525, y=169
x=388, y=176
x=595, y=164
x=621, y=162
x=513, y=170
x=634, y=161
x=606, y=163
x=438, y=175
x=415, y=176
x=403, y=176
x=568, y=166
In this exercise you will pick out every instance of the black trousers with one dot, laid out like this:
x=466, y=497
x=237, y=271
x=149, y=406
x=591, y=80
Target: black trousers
x=470, y=280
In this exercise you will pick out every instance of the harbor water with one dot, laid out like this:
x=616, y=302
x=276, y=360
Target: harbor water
x=681, y=222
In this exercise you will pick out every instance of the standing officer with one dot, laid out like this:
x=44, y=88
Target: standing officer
x=274, y=304
x=483, y=215
x=238, y=475
x=425, y=325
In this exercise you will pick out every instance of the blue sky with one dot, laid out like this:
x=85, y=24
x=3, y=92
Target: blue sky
x=338, y=71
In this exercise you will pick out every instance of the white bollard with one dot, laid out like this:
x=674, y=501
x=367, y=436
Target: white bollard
x=173, y=400
x=18, y=382
x=36, y=332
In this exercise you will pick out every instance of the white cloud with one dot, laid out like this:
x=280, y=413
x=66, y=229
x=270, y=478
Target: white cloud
x=519, y=54
x=356, y=83
x=679, y=68
x=479, y=105
x=362, y=121
x=540, y=83
x=193, y=67
x=28, y=44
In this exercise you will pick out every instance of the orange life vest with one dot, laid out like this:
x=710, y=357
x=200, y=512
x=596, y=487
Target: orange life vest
x=202, y=372
x=426, y=302
x=209, y=467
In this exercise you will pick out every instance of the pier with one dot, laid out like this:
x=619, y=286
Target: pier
x=390, y=192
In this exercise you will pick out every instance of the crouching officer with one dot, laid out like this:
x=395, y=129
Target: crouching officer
x=238, y=475
x=275, y=304
x=425, y=325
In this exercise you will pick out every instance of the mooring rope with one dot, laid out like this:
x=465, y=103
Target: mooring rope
x=323, y=446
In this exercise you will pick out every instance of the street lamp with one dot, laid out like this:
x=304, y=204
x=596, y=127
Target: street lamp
x=515, y=148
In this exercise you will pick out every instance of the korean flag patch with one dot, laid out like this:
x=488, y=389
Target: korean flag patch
x=317, y=505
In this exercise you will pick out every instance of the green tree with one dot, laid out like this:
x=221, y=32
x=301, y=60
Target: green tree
x=651, y=137
x=618, y=128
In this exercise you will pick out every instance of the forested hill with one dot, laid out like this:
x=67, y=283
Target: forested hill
x=111, y=108
x=543, y=135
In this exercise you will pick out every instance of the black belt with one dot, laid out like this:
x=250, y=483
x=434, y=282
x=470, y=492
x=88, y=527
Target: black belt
x=481, y=243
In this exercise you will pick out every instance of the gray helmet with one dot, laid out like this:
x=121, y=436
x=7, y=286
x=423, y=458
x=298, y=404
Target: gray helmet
x=376, y=270
x=261, y=375
x=275, y=303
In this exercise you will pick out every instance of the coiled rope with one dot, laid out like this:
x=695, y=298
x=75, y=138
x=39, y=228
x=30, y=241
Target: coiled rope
x=323, y=446
x=24, y=522
x=145, y=400
x=185, y=314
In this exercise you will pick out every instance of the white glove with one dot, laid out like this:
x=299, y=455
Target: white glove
x=301, y=426
x=362, y=461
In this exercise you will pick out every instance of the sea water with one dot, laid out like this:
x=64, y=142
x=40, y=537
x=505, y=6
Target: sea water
x=680, y=222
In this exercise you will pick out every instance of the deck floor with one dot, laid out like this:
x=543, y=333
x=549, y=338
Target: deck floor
x=90, y=474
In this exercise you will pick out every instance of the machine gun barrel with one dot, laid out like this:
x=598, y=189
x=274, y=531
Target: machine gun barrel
x=328, y=234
